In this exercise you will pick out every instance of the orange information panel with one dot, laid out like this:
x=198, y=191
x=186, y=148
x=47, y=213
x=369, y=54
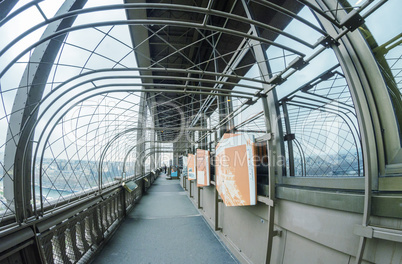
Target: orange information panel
x=191, y=166
x=235, y=170
x=203, y=173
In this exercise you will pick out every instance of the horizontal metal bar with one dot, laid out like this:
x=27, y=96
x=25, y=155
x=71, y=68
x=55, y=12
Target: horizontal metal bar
x=264, y=138
x=248, y=120
x=15, y=238
x=321, y=12
x=249, y=131
x=345, y=183
x=178, y=78
x=195, y=89
x=58, y=216
x=266, y=200
x=374, y=8
x=389, y=234
x=179, y=129
x=289, y=13
x=16, y=249
x=317, y=78
x=349, y=202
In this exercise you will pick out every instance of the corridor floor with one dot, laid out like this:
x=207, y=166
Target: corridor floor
x=164, y=227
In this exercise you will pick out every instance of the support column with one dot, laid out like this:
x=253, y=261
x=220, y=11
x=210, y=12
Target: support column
x=273, y=128
x=366, y=83
x=152, y=146
x=141, y=138
x=223, y=112
x=289, y=138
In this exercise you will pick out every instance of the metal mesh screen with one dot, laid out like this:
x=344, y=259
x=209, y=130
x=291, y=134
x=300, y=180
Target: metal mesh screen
x=320, y=128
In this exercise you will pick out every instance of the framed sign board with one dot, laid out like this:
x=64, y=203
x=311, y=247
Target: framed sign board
x=191, y=167
x=203, y=168
x=235, y=170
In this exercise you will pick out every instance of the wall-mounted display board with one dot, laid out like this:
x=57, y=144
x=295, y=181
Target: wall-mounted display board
x=130, y=186
x=184, y=166
x=191, y=166
x=174, y=172
x=235, y=170
x=203, y=168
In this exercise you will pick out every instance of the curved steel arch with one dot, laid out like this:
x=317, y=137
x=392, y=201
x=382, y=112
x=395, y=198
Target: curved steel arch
x=27, y=98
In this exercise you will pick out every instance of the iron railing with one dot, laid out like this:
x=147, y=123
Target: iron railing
x=73, y=233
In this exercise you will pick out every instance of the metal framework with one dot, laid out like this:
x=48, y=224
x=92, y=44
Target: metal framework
x=80, y=115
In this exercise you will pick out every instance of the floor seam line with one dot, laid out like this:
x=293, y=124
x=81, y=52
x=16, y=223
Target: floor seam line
x=164, y=217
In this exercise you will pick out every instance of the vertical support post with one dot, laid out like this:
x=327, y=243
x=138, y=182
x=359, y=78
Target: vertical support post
x=152, y=146
x=82, y=242
x=140, y=151
x=273, y=128
x=71, y=233
x=221, y=100
x=289, y=139
x=366, y=84
x=199, y=197
x=217, y=228
x=271, y=189
x=222, y=114
x=124, y=202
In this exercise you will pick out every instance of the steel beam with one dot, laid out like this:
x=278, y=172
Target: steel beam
x=273, y=127
x=360, y=76
x=142, y=122
x=5, y=8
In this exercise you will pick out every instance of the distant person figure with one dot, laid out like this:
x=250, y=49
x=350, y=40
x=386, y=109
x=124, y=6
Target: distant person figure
x=164, y=168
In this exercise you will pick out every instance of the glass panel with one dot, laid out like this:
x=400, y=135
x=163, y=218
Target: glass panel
x=93, y=135
x=319, y=123
x=387, y=49
x=320, y=128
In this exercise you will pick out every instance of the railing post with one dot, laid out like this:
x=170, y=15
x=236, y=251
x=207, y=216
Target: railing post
x=71, y=233
x=199, y=197
x=82, y=240
x=217, y=228
x=124, y=202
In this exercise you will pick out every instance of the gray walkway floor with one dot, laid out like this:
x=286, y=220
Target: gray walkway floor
x=164, y=227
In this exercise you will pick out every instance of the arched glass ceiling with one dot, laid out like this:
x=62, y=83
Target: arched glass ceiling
x=73, y=77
